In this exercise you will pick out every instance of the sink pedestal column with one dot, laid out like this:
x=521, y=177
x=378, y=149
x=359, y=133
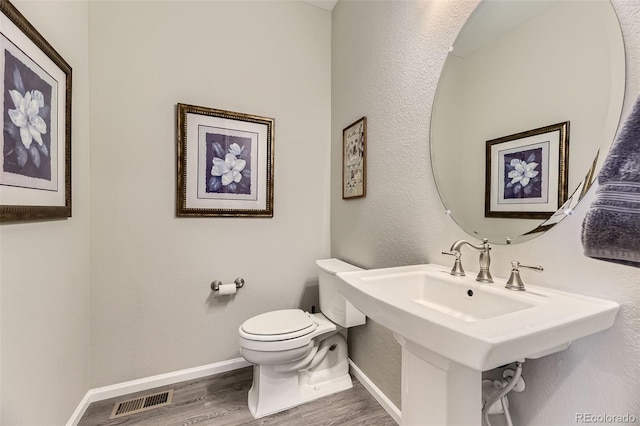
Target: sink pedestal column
x=437, y=391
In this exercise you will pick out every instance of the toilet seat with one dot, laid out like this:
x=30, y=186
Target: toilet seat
x=291, y=328
x=279, y=325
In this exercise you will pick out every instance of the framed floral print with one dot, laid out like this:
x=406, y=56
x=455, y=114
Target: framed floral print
x=354, y=159
x=225, y=163
x=35, y=170
x=527, y=173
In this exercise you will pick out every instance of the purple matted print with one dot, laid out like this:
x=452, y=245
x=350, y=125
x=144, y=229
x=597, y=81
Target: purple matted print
x=27, y=117
x=228, y=169
x=522, y=174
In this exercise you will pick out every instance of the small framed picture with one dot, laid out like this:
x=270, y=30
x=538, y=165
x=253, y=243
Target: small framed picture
x=225, y=163
x=354, y=159
x=35, y=170
x=527, y=173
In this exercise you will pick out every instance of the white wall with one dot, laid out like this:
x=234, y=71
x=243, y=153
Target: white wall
x=152, y=310
x=44, y=278
x=386, y=60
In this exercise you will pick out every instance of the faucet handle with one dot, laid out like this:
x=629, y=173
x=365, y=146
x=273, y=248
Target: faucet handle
x=457, y=269
x=515, y=282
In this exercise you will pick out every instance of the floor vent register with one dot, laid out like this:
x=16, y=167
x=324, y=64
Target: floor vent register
x=143, y=403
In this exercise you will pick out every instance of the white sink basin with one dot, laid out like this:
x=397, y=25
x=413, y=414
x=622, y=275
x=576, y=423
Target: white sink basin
x=480, y=326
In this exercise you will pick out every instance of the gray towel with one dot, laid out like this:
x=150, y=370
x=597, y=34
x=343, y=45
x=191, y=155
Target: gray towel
x=611, y=229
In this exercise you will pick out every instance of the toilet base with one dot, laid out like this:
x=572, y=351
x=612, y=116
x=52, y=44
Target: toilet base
x=271, y=403
x=273, y=390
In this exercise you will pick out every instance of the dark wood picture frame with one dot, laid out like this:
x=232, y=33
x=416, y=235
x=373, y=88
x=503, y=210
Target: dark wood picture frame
x=35, y=177
x=527, y=173
x=354, y=159
x=225, y=163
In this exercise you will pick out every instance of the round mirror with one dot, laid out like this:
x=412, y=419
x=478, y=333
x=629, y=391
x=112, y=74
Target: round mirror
x=526, y=109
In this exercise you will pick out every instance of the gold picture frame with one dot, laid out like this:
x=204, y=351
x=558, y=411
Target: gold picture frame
x=35, y=170
x=354, y=159
x=224, y=163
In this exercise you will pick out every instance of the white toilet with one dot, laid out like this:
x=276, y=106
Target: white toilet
x=297, y=356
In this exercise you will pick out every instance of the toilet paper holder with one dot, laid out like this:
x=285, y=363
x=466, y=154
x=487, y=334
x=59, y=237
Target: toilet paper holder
x=215, y=286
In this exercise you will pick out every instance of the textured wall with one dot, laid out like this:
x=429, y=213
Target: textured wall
x=44, y=276
x=386, y=61
x=152, y=310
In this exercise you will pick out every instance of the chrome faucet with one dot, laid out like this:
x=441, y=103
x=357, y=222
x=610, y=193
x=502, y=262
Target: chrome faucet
x=484, y=276
x=515, y=282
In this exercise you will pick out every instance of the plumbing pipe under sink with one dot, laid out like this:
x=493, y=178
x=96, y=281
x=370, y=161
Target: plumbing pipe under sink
x=513, y=381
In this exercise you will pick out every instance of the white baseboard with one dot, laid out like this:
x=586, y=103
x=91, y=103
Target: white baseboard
x=375, y=391
x=125, y=388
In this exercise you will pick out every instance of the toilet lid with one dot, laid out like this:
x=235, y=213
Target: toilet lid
x=287, y=323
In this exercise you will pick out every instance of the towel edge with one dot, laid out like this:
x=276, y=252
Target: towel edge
x=615, y=255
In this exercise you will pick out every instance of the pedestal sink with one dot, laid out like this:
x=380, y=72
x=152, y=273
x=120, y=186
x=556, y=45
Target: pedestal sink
x=453, y=328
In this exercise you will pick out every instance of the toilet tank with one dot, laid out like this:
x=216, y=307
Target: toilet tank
x=332, y=304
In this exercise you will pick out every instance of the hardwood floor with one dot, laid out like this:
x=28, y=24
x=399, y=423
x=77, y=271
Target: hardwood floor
x=222, y=400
